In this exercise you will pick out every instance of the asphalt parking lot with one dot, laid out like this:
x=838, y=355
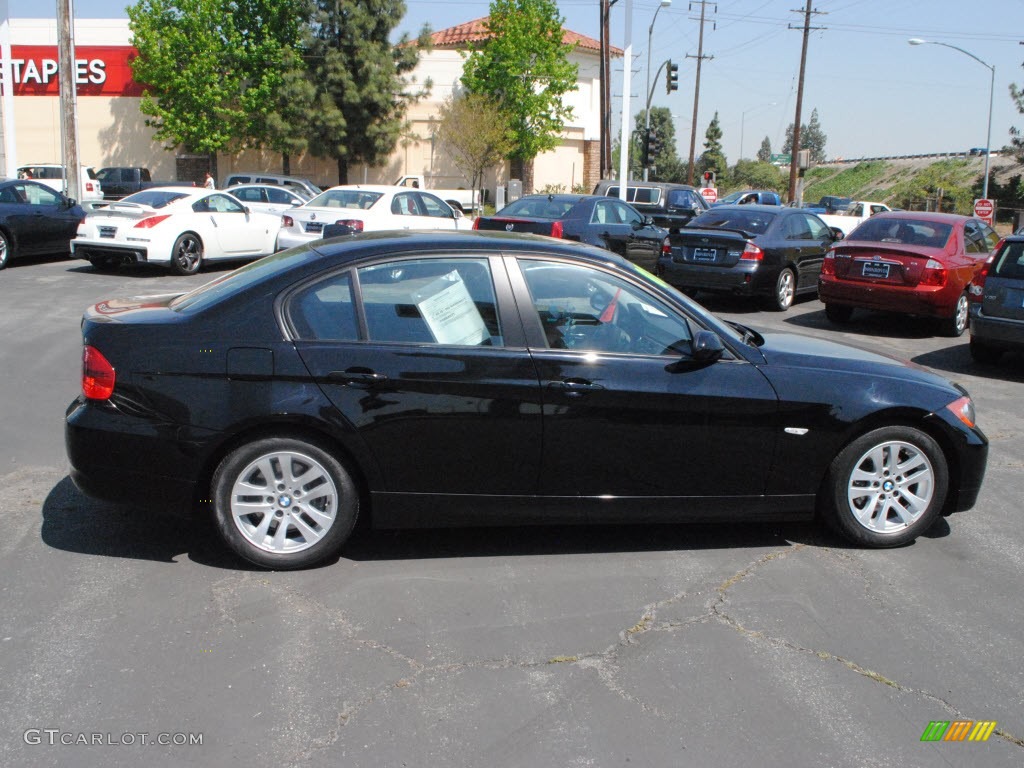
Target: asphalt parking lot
x=650, y=646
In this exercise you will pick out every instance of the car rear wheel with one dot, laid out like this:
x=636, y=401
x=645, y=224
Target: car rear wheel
x=187, y=254
x=5, y=250
x=983, y=353
x=785, y=291
x=284, y=503
x=838, y=313
x=956, y=325
x=886, y=487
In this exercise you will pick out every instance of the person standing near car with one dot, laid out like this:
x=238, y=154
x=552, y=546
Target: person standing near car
x=209, y=183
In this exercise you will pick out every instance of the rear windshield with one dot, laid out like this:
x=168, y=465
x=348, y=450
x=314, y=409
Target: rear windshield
x=155, y=198
x=1009, y=262
x=738, y=218
x=930, y=234
x=538, y=208
x=345, y=198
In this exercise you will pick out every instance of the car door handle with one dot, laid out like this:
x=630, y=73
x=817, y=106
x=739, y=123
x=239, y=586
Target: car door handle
x=356, y=376
x=576, y=387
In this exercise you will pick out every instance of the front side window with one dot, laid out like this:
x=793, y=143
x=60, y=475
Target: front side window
x=449, y=301
x=586, y=309
x=435, y=207
x=629, y=215
x=37, y=194
x=217, y=204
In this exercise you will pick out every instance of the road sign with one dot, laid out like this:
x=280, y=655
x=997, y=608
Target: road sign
x=984, y=210
x=709, y=193
x=780, y=159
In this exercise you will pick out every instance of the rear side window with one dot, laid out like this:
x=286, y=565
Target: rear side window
x=1009, y=262
x=325, y=310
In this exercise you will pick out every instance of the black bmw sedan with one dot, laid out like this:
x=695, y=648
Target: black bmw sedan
x=429, y=379
x=750, y=250
x=606, y=222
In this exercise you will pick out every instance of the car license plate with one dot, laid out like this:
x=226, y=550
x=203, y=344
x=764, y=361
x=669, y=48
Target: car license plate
x=110, y=232
x=704, y=254
x=874, y=269
x=314, y=226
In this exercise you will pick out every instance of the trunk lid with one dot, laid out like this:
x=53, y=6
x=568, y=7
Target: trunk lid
x=531, y=225
x=887, y=263
x=709, y=247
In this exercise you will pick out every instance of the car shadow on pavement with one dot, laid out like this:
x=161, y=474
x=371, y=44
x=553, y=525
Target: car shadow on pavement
x=74, y=522
x=958, y=360
x=871, y=323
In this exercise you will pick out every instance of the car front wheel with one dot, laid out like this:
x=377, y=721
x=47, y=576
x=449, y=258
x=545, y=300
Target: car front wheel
x=284, y=503
x=886, y=487
x=187, y=254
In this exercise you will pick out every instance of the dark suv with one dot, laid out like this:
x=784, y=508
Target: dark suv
x=670, y=205
x=997, y=303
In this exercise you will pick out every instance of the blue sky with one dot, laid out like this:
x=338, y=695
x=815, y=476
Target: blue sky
x=875, y=93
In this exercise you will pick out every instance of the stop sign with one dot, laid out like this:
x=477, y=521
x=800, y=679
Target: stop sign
x=984, y=209
x=709, y=193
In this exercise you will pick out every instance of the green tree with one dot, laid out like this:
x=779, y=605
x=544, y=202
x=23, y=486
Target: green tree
x=764, y=154
x=812, y=138
x=211, y=68
x=360, y=94
x=1016, y=136
x=750, y=174
x=713, y=158
x=473, y=130
x=666, y=160
x=523, y=65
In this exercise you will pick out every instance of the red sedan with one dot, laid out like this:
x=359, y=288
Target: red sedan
x=908, y=262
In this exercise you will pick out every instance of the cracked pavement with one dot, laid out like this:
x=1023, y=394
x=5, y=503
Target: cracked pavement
x=769, y=644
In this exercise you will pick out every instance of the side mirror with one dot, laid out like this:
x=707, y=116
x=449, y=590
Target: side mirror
x=707, y=347
x=837, y=233
x=297, y=203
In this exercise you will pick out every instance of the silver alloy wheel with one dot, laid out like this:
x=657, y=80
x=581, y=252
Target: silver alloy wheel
x=188, y=253
x=785, y=289
x=890, y=487
x=284, y=502
x=5, y=250
x=960, y=315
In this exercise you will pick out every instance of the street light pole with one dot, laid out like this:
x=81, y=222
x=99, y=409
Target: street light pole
x=647, y=111
x=991, y=93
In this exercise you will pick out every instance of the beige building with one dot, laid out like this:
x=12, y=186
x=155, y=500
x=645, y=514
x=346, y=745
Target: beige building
x=112, y=130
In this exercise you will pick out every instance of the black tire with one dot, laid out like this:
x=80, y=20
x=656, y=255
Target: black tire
x=956, y=325
x=983, y=353
x=911, y=478
x=784, y=292
x=5, y=249
x=838, y=313
x=282, y=523
x=187, y=254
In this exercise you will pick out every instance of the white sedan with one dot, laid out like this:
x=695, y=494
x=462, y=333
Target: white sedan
x=179, y=227
x=366, y=208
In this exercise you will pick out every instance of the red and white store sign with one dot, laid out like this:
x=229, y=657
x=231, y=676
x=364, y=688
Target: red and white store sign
x=100, y=70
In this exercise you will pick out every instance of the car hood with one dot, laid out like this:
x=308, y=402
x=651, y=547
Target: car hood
x=806, y=352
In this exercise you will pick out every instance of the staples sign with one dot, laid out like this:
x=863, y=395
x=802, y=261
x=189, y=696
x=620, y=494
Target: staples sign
x=100, y=70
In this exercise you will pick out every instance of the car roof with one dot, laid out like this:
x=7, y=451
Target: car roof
x=647, y=184
x=377, y=188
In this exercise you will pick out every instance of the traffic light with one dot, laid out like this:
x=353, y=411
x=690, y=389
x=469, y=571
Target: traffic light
x=653, y=145
x=671, y=77
x=645, y=148
x=708, y=178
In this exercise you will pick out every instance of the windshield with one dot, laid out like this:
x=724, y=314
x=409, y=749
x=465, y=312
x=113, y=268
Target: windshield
x=740, y=218
x=155, y=198
x=930, y=234
x=345, y=198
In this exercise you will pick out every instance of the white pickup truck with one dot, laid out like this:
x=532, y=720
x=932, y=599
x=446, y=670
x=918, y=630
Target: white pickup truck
x=855, y=213
x=465, y=199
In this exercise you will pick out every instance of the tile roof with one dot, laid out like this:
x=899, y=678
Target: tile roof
x=461, y=35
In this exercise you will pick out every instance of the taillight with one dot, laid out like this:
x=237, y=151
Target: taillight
x=151, y=221
x=963, y=409
x=752, y=253
x=556, y=229
x=287, y=221
x=828, y=267
x=934, y=274
x=976, y=290
x=97, y=375
x=356, y=225
x=476, y=223
x=666, y=247
x=88, y=186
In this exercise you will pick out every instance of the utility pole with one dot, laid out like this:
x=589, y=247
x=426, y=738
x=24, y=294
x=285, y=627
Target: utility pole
x=795, y=149
x=606, y=90
x=68, y=97
x=696, y=87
